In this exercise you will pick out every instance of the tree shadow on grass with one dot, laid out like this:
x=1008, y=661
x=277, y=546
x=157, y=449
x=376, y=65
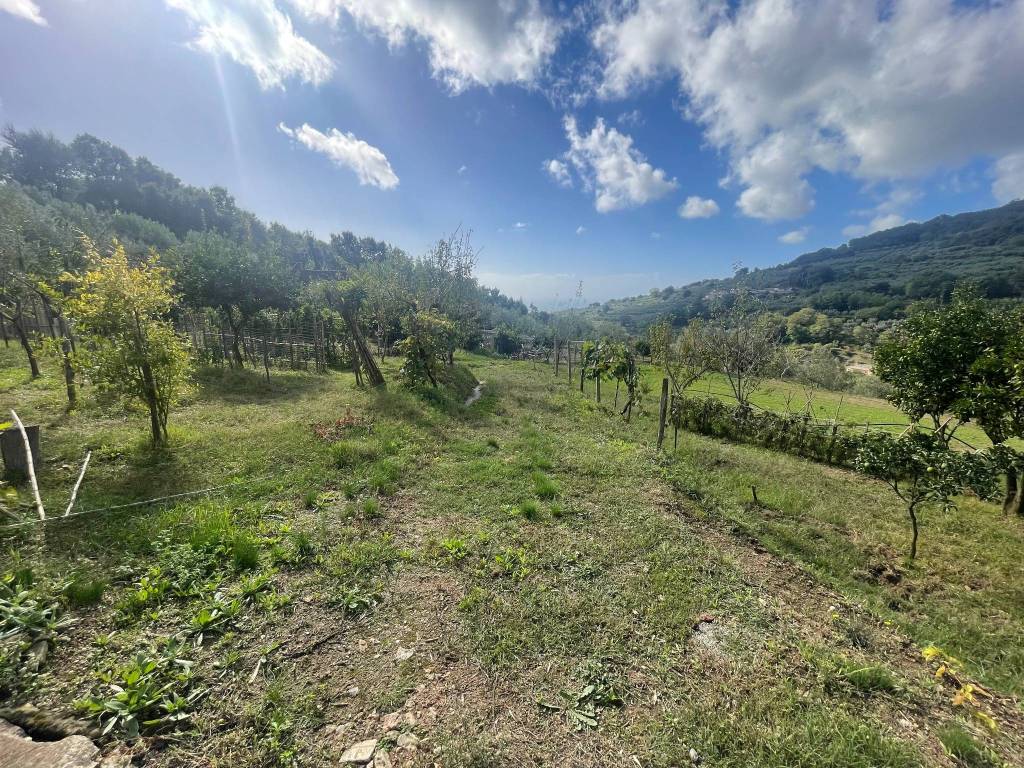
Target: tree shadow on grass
x=247, y=386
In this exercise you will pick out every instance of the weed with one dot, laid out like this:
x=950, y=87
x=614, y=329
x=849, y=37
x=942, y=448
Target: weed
x=148, y=692
x=245, y=553
x=356, y=598
x=492, y=442
x=310, y=499
x=557, y=510
x=530, y=510
x=514, y=563
x=351, y=453
x=453, y=550
x=370, y=508
x=960, y=744
x=214, y=617
x=544, y=486
x=359, y=561
x=211, y=528
x=384, y=477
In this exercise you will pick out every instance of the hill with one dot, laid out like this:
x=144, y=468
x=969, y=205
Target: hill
x=870, y=278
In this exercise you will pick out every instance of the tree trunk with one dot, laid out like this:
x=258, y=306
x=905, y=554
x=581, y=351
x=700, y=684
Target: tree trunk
x=1012, y=502
x=69, y=371
x=235, y=333
x=18, y=321
x=149, y=385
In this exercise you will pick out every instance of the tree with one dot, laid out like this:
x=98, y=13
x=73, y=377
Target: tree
x=685, y=357
x=927, y=358
x=743, y=342
x=233, y=277
x=385, y=283
x=960, y=359
x=445, y=284
x=128, y=346
x=921, y=469
x=425, y=346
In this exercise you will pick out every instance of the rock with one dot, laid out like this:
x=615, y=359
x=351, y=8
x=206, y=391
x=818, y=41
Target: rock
x=694, y=756
x=360, y=753
x=403, y=654
x=408, y=741
x=19, y=751
x=353, y=691
x=390, y=722
x=382, y=761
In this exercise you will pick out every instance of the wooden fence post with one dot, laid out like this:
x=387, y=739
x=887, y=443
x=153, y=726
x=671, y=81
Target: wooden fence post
x=266, y=356
x=568, y=357
x=675, y=427
x=558, y=354
x=662, y=411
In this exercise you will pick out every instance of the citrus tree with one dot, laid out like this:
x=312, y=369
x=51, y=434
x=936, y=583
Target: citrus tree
x=129, y=346
x=922, y=470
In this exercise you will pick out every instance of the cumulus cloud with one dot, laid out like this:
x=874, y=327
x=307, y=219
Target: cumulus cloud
x=257, y=35
x=558, y=171
x=462, y=170
x=1009, y=178
x=877, y=224
x=25, y=9
x=580, y=229
x=610, y=166
x=698, y=208
x=882, y=91
x=469, y=42
x=346, y=151
x=794, y=237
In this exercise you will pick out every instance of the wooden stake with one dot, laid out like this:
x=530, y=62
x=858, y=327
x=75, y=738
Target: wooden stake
x=78, y=484
x=31, y=466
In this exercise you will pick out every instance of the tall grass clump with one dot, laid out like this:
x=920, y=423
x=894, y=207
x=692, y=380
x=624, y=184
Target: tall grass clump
x=544, y=486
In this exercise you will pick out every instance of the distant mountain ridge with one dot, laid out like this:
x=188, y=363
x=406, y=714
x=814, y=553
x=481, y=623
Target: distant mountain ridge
x=875, y=276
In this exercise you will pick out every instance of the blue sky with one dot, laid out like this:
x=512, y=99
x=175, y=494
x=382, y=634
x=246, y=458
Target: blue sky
x=628, y=146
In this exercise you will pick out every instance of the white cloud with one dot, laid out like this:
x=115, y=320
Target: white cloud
x=610, y=166
x=655, y=235
x=877, y=224
x=520, y=225
x=345, y=150
x=698, y=208
x=580, y=229
x=880, y=90
x=462, y=170
x=558, y=171
x=794, y=237
x=1009, y=181
x=633, y=117
x=25, y=9
x=257, y=35
x=469, y=42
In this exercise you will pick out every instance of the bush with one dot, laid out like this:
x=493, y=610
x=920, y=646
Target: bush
x=351, y=453
x=83, y=592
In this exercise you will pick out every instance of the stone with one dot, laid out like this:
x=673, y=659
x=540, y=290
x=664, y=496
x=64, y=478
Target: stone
x=382, y=761
x=19, y=751
x=408, y=741
x=360, y=753
x=694, y=756
x=391, y=721
x=353, y=691
x=403, y=654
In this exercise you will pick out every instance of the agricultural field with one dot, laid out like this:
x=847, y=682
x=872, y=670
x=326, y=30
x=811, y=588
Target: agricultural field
x=525, y=580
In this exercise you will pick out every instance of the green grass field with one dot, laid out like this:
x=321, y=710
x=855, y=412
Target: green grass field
x=524, y=581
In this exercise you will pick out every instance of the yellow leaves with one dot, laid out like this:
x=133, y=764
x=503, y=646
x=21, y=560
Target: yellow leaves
x=967, y=693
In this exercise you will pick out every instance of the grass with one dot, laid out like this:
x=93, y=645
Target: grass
x=568, y=555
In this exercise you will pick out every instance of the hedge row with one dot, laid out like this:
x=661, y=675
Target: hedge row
x=791, y=433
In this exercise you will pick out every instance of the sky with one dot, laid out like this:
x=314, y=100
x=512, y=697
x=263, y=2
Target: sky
x=627, y=145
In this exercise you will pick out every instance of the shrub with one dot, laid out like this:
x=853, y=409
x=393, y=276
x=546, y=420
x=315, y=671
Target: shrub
x=82, y=592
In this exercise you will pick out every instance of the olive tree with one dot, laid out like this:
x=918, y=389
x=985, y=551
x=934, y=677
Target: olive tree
x=128, y=345
x=685, y=356
x=743, y=342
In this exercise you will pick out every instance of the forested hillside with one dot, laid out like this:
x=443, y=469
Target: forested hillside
x=873, y=277
x=52, y=193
